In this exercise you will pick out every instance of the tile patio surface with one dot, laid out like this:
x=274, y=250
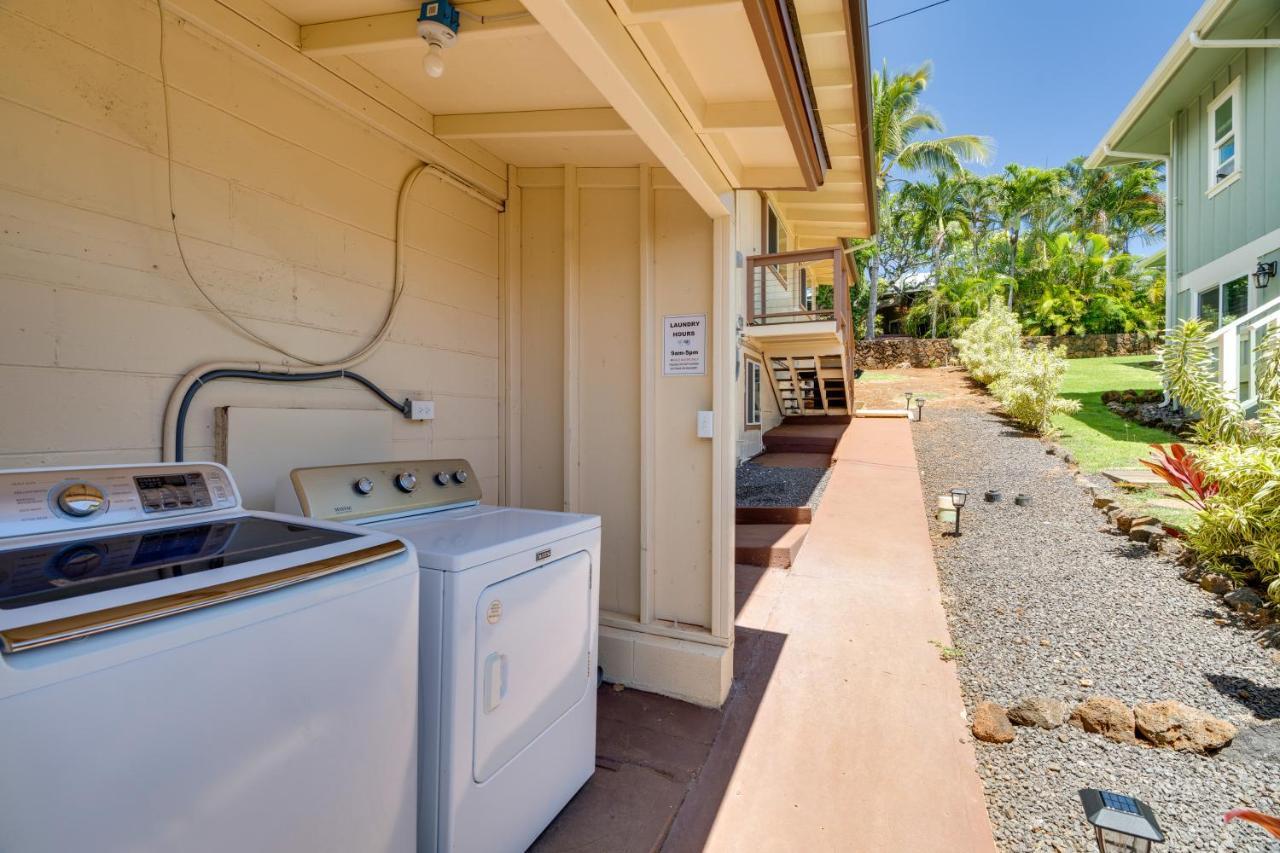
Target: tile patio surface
x=844, y=731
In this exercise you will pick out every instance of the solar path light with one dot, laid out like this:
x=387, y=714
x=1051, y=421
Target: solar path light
x=1120, y=824
x=919, y=408
x=909, y=395
x=958, y=498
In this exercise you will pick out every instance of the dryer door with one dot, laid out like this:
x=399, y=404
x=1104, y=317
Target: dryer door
x=533, y=640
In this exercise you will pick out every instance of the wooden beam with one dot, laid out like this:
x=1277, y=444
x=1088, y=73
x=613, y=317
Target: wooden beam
x=749, y=115
x=822, y=24
x=655, y=11
x=783, y=57
x=831, y=78
x=226, y=21
x=600, y=45
x=824, y=215
x=400, y=29
x=598, y=121
x=820, y=198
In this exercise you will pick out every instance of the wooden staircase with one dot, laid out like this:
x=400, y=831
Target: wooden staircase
x=810, y=384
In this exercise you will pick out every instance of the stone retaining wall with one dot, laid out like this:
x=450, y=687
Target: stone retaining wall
x=889, y=352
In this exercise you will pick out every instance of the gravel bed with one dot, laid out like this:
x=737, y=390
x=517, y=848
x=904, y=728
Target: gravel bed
x=759, y=485
x=1042, y=602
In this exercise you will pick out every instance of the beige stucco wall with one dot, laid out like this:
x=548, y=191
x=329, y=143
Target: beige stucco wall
x=287, y=209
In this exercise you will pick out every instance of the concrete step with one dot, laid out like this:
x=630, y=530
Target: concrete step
x=774, y=514
x=773, y=546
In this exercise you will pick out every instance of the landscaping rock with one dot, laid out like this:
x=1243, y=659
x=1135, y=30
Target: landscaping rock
x=1105, y=716
x=1172, y=548
x=1191, y=574
x=1103, y=502
x=1145, y=521
x=1177, y=726
x=1259, y=742
x=1244, y=600
x=1123, y=520
x=1041, y=712
x=1145, y=532
x=1215, y=583
x=991, y=724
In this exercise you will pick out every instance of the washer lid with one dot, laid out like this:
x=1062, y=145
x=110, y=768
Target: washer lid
x=459, y=539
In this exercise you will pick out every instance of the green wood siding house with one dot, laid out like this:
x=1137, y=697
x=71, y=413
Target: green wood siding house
x=1211, y=111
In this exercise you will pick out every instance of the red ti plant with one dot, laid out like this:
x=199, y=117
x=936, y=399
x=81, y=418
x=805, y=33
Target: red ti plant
x=1178, y=468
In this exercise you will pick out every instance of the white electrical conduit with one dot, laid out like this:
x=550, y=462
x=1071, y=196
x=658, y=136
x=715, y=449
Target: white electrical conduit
x=169, y=431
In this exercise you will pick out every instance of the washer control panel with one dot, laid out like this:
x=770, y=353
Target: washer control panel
x=46, y=500
x=340, y=492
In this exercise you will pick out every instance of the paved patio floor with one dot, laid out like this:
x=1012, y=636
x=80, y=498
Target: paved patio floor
x=844, y=730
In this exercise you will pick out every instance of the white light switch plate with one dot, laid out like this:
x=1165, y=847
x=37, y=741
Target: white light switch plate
x=706, y=424
x=422, y=410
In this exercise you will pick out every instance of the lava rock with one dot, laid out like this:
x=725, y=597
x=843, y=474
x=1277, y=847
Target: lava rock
x=1102, y=502
x=1177, y=726
x=991, y=724
x=1244, y=600
x=1106, y=716
x=1145, y=532
x=1215, y=583
x=1041, y=712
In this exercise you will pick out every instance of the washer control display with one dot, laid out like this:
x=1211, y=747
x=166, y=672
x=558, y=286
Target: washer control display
x=168, y=492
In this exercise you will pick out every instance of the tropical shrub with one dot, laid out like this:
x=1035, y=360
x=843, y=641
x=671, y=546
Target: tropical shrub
x=1177, y=467
x=1241, y=456
x=1028, y=389
x=988, y=346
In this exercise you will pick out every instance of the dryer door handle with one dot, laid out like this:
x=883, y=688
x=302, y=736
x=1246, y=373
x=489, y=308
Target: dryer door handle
x=495, y=681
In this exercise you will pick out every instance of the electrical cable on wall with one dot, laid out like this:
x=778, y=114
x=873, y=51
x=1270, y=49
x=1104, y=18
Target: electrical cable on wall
x=304, y=368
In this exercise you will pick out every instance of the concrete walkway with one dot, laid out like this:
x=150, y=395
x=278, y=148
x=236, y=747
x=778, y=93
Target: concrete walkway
x=856, y=739
x=845, y=730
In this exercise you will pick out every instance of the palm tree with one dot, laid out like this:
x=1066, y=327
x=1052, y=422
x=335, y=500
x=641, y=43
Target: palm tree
x=942, y=215
x=1119, y=202
x=1022, y=192
x=897, y=121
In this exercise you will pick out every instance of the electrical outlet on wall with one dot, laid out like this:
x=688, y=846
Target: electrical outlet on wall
x=422, y=410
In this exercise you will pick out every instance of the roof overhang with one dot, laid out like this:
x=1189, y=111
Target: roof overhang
x=1142, y=130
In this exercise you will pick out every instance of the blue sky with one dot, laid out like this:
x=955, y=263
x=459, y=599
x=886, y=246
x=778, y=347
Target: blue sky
x=1044, y=78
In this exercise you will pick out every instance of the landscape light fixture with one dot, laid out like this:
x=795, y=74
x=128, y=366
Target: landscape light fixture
x=1120, y=824
x=958, y=498
x=1264, y=273
x=909, y=395
x=919, y=408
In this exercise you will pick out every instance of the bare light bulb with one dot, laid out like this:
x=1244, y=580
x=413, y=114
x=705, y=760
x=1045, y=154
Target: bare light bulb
x=433, y=62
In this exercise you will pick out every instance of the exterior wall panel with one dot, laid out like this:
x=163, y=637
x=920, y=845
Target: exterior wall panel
x=287, y=211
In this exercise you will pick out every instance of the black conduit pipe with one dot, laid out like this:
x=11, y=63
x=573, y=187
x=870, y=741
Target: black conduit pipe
x=180, y=428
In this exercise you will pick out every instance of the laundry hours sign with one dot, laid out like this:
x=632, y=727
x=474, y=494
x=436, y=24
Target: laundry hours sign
x=685, y=345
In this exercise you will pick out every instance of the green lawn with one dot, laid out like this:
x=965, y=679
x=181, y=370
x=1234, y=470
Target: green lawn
x=1102, y=439
x=1098, y=437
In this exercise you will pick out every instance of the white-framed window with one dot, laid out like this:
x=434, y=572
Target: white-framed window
x=1222, y=303
x=753, y=392
x=1226, y=135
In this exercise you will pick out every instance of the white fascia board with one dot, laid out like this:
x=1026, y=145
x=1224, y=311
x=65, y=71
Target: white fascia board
x=1173, y=60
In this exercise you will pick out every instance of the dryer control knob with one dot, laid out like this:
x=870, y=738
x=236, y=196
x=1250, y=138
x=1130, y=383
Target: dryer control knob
x=406, y=481
x=460, y=476
x=81, y=500
x=363, y=486
x=442, y=479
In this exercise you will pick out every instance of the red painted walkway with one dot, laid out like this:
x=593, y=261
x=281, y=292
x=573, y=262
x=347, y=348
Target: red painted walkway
x=856, y=738
x=844, y=731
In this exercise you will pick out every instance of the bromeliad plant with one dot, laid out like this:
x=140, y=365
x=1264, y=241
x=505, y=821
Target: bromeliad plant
x=1241, y=456
x=1177, y=466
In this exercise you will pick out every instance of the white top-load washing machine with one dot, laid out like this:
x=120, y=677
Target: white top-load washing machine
x=510, y=604
x=178, y=673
